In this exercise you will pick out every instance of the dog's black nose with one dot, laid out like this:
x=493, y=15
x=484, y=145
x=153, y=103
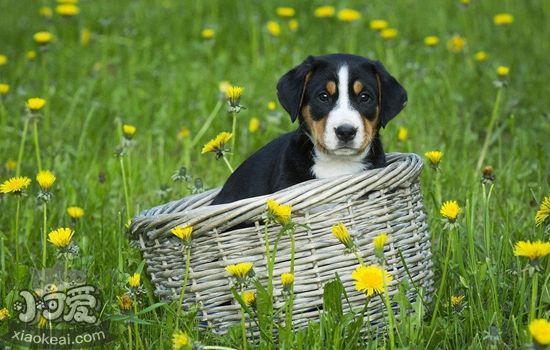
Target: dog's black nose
x=345, y=132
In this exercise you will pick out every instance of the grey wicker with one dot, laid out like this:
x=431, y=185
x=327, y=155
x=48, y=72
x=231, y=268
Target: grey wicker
x=380, y=200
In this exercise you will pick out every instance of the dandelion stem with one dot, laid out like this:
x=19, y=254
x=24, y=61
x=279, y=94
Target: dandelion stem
x=359, y=258
x=129, y=337
x=227, y=163
x=488, y=136
x=139, y=345
x=206, y=124
x=16, y=232
x=233, y=129
x=2, y=260
x=243, y=328
x=486, y=199
x=44, y=230
x=22, y=146
x=126, y=197
x=437, y=175
x=184, y=286
x=291, y=297
x=386, y=300
x=440, y=290
x=37, y=144
x=534, y=290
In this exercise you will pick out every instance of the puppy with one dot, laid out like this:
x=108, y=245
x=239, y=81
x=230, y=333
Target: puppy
x=340, y=101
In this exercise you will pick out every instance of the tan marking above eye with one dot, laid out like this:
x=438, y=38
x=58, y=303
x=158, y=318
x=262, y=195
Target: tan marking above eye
x=331, y=87
x=357, y=87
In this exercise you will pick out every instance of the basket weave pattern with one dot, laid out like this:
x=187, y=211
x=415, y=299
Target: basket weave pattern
x=380, y=200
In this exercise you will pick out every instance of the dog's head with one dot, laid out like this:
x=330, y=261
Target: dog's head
x=341, y=100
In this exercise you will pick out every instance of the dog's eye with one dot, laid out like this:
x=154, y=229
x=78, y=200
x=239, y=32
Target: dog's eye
x=364, y=97
x=323, y=96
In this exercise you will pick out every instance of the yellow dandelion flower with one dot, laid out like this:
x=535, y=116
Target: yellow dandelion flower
x=15, y=185
x=480, y=56
x=183, y=233
x=456, y=300
x=240, y=270
x=456, y=44
x=11, y=165
x=67, y=10
x=434, y=157
x=233, y=94
x=31, y=55
x=371, y=279
x=287, y=279
x=45, y=179
x=273, y=28
x=3, y=59
x=271, y=106
x=128, y=131
x=465, y=2
x=324, y=11
x=180, y=340
x=42, y=38
x=348, y=15
x=217, y=144
x=503, y=71
x=532, y=250
x=341, y=233
x=35, y=103
x=183, y=133
x=253, y=125
x=540, y=331
x=285, y=12
x=4, y=313
x=402, y=134
x=61, y=237
x=4, y=88
x=503, y=19
x=125, y=301
x=379, y=241
x=293, y=25
x=544, y=211
x=281, y=213
x=208, y=33
x=431, y=40
x=134, y=280
x=450, y=210
x=248, y=297
x=45, y=11
x=75, y=212
x=85, y=36
x=388, y=33
x=378, y=24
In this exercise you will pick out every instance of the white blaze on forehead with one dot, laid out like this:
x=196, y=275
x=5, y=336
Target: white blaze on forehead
x=343, y=113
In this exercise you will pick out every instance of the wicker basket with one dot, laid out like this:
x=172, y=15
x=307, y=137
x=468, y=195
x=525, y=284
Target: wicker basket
x=381, y=200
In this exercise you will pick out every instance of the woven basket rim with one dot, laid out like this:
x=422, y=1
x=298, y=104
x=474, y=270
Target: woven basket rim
x=191, y=210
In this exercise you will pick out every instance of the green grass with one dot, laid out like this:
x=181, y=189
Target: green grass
x=147, y=65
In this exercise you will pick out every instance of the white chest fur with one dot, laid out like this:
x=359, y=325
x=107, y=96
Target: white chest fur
x=331, y=166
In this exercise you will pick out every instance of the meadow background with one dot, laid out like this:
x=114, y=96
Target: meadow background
x=150, y=64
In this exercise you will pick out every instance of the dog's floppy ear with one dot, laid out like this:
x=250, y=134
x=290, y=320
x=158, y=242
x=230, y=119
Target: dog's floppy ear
x=291, y=87
x=392, y=96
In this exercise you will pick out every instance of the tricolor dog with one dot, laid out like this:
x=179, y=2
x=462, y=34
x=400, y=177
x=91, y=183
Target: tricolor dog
x=340, y=101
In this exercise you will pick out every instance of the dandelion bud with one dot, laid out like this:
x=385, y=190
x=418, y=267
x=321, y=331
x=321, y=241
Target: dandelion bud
x=287, y=279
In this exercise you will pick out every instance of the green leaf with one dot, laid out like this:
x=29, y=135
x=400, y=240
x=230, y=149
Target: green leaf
x=150, y=308
x=332, y=298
